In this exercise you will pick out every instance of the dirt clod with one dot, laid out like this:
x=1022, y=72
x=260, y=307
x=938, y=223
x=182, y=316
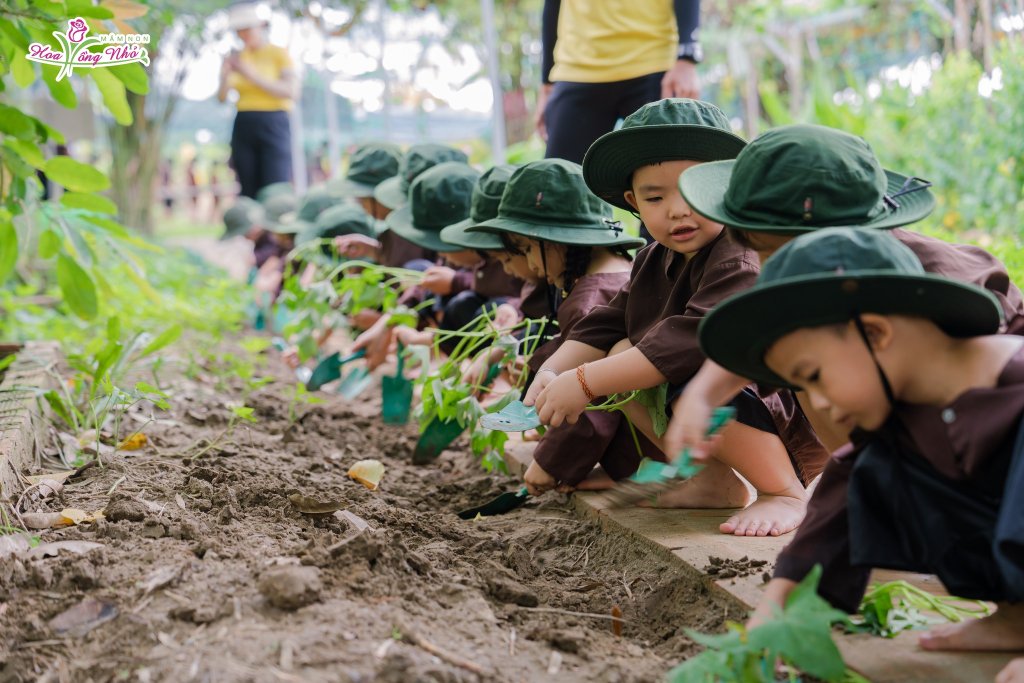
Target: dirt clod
x=291, y=587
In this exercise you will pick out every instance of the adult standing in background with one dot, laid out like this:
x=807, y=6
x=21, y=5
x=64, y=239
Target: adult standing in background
x=264, y=78
x=604, y=60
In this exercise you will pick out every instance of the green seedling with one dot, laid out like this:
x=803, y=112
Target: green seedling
x=799, y=636
x=888, y=609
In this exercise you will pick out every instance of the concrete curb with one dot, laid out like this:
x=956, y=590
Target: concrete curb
x=20, y=423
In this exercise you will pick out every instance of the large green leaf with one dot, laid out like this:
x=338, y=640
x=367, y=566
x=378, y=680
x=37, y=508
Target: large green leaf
x=89, y=202
x=61, y=90
x=78, y=288
x=75, y=175
x=133, y=76
x=168, y=336
x=27, y=150
x=16, y=124
x=8, y=249
x=114, y=96
x=50, y=242
x=22, y=69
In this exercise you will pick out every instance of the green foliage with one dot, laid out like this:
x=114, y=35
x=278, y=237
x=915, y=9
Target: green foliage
x=891, y=608
x=799, y=637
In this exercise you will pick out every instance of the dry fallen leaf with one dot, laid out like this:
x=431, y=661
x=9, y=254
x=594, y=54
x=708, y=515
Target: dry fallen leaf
x=83, y=617
x=357, y=522
x=43, y=520
x=308, y=505
x=54, y=548
x=75, y=516
x=164, y=576
x=134, y=442
x=368, y=473
x=179, y=500
x=59, y=477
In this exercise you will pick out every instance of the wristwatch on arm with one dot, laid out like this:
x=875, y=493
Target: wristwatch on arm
x=690, y=52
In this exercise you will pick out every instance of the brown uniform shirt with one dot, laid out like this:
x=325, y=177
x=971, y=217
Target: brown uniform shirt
x=396, y=251
x=960, y=441
x=971, y=264
x=672, y=296
x=569, y=452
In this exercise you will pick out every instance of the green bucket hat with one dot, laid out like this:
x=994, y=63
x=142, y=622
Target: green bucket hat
x=483, y=207
x=283, y=216
x=673, y=129
x=548, y=200
x=439, y=197
x=274, y=190
x=831, y=276
x=394, y=192
x=314, y=202
x=797, y=179
x=370, y=165
x=341, y=219
x=243, y=215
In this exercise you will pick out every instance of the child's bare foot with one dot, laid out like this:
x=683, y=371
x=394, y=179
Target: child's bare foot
x=1000, y=632
x=597, y=480
x=1012, y=672
x=769, y=515
x=715, y=486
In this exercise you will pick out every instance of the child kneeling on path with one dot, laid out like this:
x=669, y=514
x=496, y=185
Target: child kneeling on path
x=647, y=335
x=782, y=185
x=911, y=362
x=569, y=239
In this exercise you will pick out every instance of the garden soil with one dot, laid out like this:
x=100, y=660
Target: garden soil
x=208, y=571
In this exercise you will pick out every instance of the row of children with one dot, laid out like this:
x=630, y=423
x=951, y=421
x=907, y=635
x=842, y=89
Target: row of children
x=887, y=362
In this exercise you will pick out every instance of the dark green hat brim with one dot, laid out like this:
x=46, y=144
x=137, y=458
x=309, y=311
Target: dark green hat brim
x=738, y=332
x=610, y=162
x=345, y=188
x=400, y=222
x=587, y=234
x=458, y=234
x=291, y=227
x=704, y=187
x=234, y=232
x=389, y=193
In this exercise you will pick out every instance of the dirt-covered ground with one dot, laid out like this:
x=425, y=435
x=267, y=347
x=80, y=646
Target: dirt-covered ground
x=208, y=572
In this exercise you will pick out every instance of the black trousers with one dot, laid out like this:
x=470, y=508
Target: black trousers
x=579, y=113
x=261, y=149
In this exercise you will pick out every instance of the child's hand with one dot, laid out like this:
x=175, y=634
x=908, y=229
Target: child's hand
x=438, y=279
x=543, y=378
x=269, y=276
x=365, y=319
x=561, y=401
x=691, y=417
x=356, y=246
x=410, y=336
x=537, y=480
x=1012, y=672
x=376, y=341
x=506, y=316
x=475, y=374
x=290, y=356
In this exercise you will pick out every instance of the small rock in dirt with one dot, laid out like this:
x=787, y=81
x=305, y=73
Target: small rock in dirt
x=290, y=587
x=508, y=591
x=153, y=529
x=123, y=508
x=566, y=640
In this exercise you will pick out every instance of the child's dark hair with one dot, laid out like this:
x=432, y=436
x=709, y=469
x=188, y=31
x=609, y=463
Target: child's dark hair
x=740, y=237
x=577, y=260
x=511, y=248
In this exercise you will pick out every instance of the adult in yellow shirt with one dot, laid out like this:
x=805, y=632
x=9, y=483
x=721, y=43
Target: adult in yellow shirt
x=604, y=60
x=264, y=78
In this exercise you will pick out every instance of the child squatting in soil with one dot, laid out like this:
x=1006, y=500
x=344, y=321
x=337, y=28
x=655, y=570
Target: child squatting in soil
x=567, y=235
x=647, y=335
x=911, y=363
x=439, y=197
x=754, y=197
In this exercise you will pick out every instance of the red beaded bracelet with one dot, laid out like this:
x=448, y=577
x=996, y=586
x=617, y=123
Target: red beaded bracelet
x=583, y=382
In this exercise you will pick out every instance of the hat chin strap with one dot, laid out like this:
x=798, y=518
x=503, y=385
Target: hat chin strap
x=886, y=386
x=554, y=300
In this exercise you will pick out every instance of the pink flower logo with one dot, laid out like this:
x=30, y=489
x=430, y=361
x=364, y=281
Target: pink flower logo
x=77, y=28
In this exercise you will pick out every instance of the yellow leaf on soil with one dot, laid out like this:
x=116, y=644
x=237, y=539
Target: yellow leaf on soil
x=75, y=516
x=368, y=473
x=134, y=442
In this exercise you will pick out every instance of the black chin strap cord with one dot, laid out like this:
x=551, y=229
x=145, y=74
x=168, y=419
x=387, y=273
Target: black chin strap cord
x=886, y=386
